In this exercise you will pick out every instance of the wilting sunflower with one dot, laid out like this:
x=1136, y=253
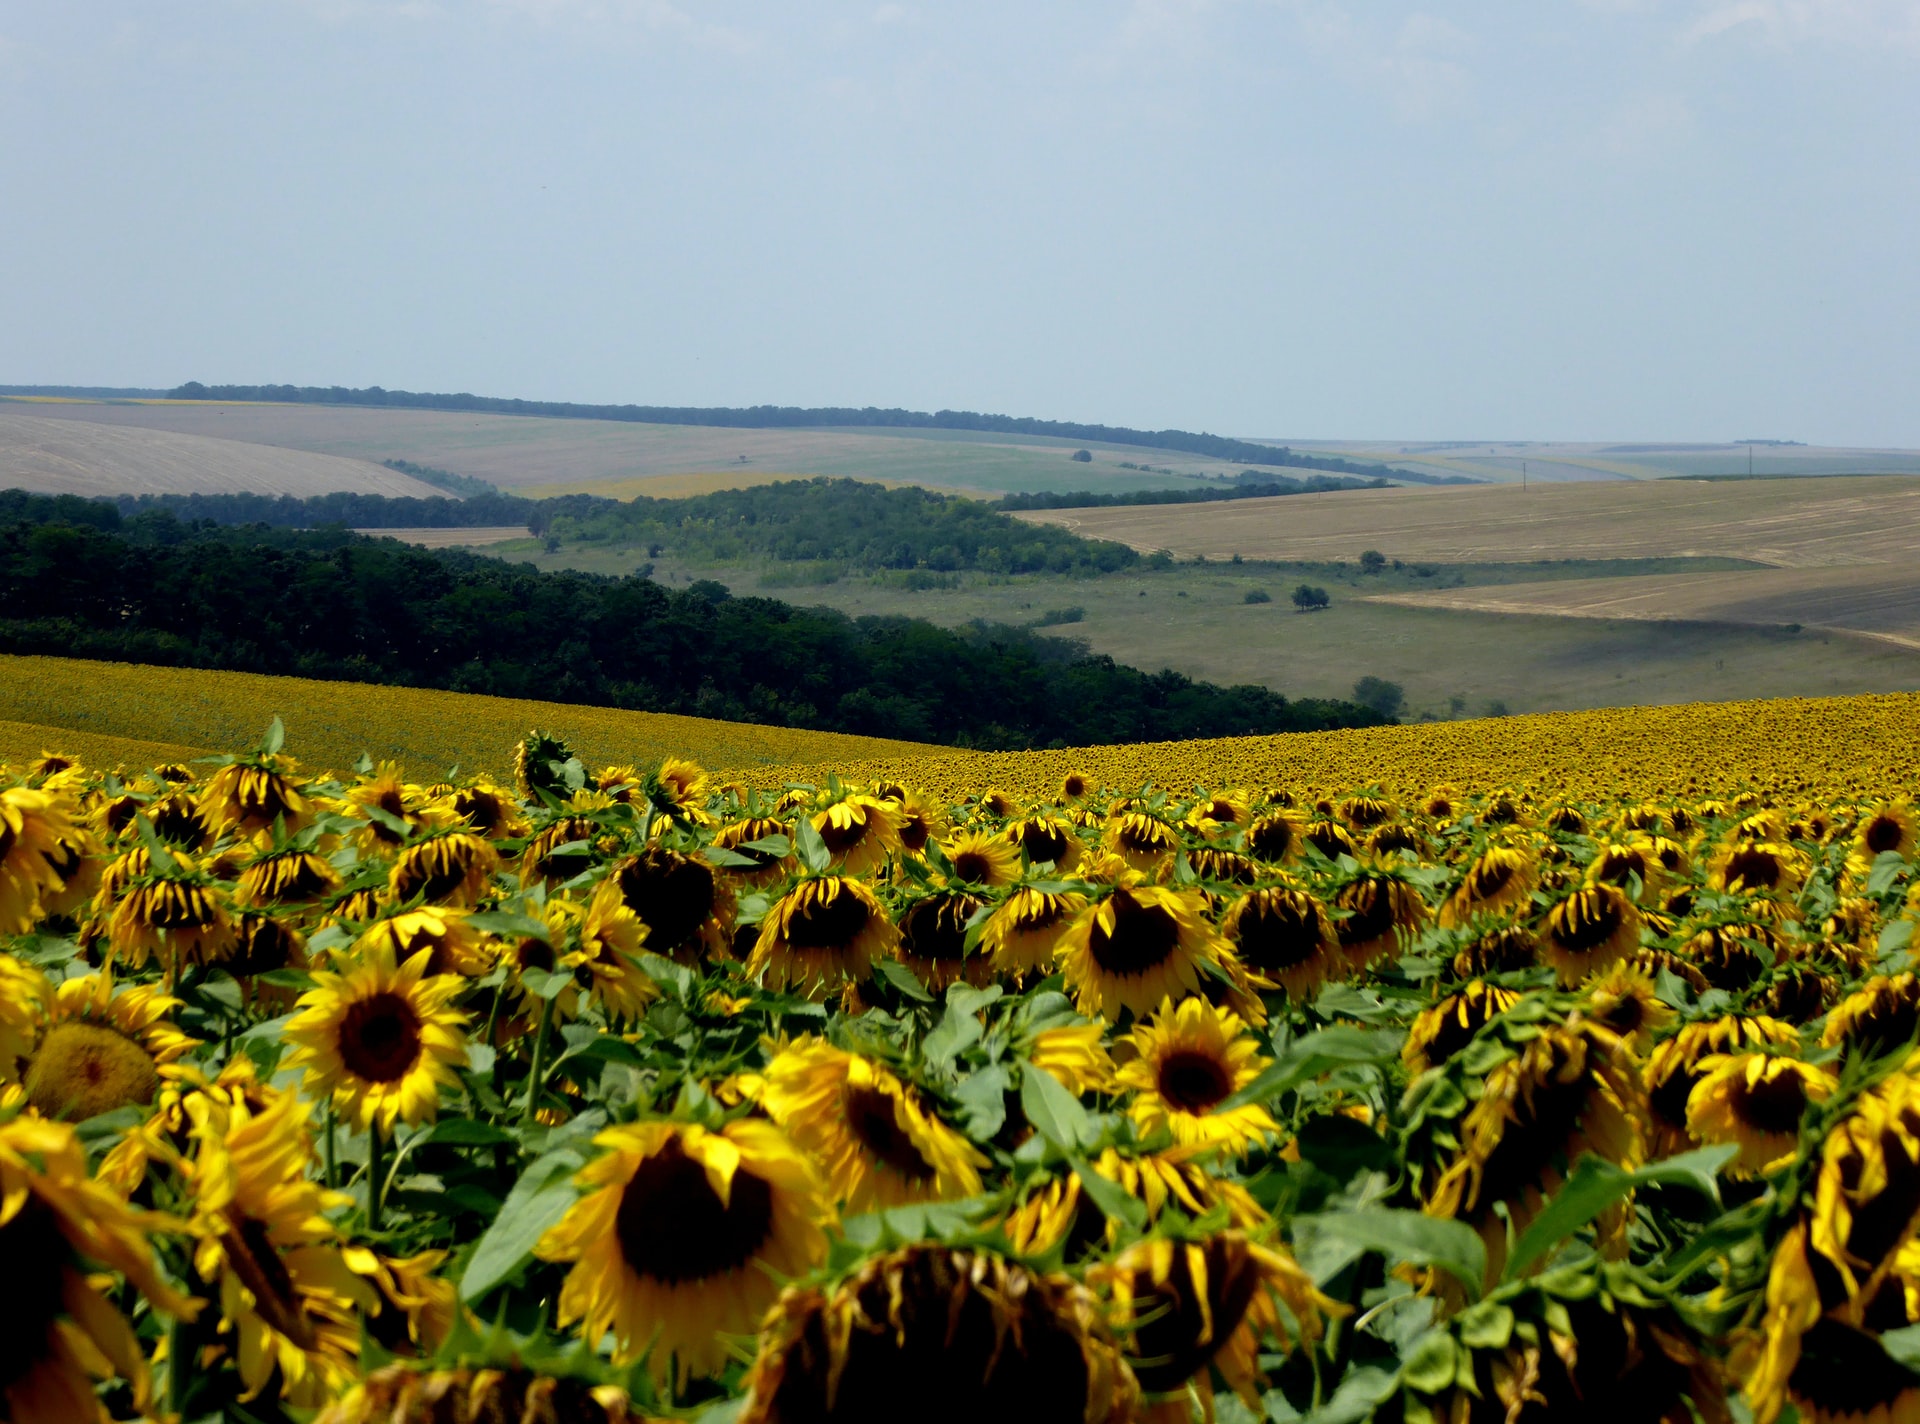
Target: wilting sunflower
x=1286, y=938
x=1138, y=945
x=452, y=946
x=821, y=934
x=978, y=858
x=1589, y=931
x=564, y=847
x=1758, y=868
x=971, y=1335
x=1025, y=928
x=599, y=943
x=1497, y=949
x=1381, y=909
x=1883, y=1014
x=26, y=998
x=1867, y=1193
x=178, y=915
x=679, y=898
x=1673, y=1069
x=380, y=1039
x=287, y=1294
x=860, y=832
x=451, y=868
x=102, y=1050
x=933, y=940
x=406, y=1393
x=1500, y=879
x=1060, y=1210
x=248, y=796
x=1045, y=841
x=1076, y=1054
x=1142, y=840
x=1755, y=1100
x=1219, y=815
x=1275, y=837
x=683, y=1237
x=487, y=809
x=1450, y=1025
x=1624, y=1000
x=57, y=1224
x=873, y=1135
x=1228, y=867
x=738, y=838
x=1622, y=863
x=1570, y=1090
x=1181, y=1306
x=289, y=875
x=1188, y=1061
x=33, y=825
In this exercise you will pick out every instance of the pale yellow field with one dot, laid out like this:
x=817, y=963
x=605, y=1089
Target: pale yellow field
x=453, y=538
x=670, y=486
x=1874, y=600
x=1804, y=523
x=54, y=456
x=81, y=704
x=21, y=742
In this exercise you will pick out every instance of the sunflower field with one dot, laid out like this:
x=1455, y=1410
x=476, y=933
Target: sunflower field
x=631, y=1093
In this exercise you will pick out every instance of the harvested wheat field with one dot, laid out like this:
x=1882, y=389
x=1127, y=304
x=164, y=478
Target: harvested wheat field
x=53, y=456
x=1875, y=600
x=453, y=538
x=1809, y=523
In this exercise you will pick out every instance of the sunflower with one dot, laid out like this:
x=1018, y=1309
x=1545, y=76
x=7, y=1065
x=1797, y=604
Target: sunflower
x=287, y=1295
x=1571, y=1089
x=1497, y=949
x=1673, y=1069
x=57, y=1224
x=26, y=998
x=1187, y=1062
x=1758, y=867
x=1181, y=1306
x=1286, y=937
x=394, y=809
x=1142, y=840
x=1755, y=1100
x=1275, y=837
x=822, y=933
x=380, y=1039
x=1224, y=867
x=1381, y=911
x=681, y=786
x=1075, y=786
x=452, y=868
x=1450, y=1025
x=33, y=826
x=687, y=912
x=1867, y=1192
x=1883, y=1014
x=1589, y=931
x=1624, y=1000
x=876, y=1140
x=1138, y=945
x=244, y=797
x=933, y=940
x=921, y=821
x=178, y=915
x=1501, y=879
x=403, y=1393
x=288, y=875
x=966, y=1332
x=1061, y=1211
x=487, y=809
x=1219, y=815
x=981, y=859
x=452, y=946
x=682, y=1238
x=1025, y=928
x=102, y=1050
x=1045, y=841
x=860, y=833
x=1076, y=1054
x=543, y=859
x=1889, y=828
x=738, y=838
x=1621, y=864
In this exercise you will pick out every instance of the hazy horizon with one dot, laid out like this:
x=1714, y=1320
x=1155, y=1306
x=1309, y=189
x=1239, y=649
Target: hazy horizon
x=1644, y=220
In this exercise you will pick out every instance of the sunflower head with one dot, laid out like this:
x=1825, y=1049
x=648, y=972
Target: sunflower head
x=1286, y=937
x=103, y=1048
x=1044, y=840
x=1380, y=910
x=1138, y=945
x=978, y=858
x=1141, y=839
x=1185, y=1063
x=1589, y=931
x=1450, y=1025
x=860, y=832
x=451, y=867
x=1500, y=879
x=1755, y=1101
x=933, y=940
x=1275, y=837
x=822, y=933
x=688, y=912
x=1024, y=929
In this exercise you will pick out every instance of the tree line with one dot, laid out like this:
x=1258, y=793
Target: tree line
x=1263, y=488
x=78, y=580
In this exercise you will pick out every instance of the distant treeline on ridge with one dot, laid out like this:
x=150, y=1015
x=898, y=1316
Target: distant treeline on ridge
x=777, y=417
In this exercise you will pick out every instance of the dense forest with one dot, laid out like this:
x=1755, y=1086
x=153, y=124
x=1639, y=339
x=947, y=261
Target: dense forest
x=77, y=579
x=761, y=417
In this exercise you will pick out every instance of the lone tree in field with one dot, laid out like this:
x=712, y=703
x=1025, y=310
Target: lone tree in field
x=1386, y=698
x=1306, y=598
x=1372, y=562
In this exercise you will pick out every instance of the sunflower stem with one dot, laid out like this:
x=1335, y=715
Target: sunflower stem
x=177, y=1366
x=376, y=1178
x=333, y=1162
x=539, y=1067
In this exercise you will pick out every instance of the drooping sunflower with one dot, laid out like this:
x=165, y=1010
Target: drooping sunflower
x=405, y=1393
x=1381, y=910
x=452, y=945
x=448, y=868
x=877, y=1142
x=288, y=875
x=1497, y=949
x=1219, y=815
x=1225, y=867
x=57, y=1224
x=822, y=933
x=1275, y=837
x=978, y=858
x=102, y=1049
x=381, y=1039
x=1589, y=931
x=1188, y=1060
x=1883, y=1014
x=1500, y=879
x=600, y=944
x=739, y=836
x=487, y=809
x=860, y=832
x=245, y=797
x=1181, y=1306
x=1867, y=1193
x=26, y=998
x=973, y=1335
x=1285, y=936
x=1025, y=928
x=288, y=1298
x=1046, y=841
x=1673, y=1069
x=1758, y=867
x=1756, y=1101
x=33, y=825
x=1059, y=1210
x=1136, y=946
x=1438, y=1033
x=1142, y=840
x=683, y=1237
x=1622, y=863
x=933, y=940
x=679, y=898
x=177, y=914
x=1076, y=1054
x=1624, y=999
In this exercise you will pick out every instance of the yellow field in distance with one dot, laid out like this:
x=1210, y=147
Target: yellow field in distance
x=79, y=704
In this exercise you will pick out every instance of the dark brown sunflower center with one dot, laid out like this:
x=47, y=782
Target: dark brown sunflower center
x=672, y=894
x=1193, y=1081
x=1143, y=837
x=380, y=1038
x=936, y=928
x=1042, y=842
x=1883, y=834
x=1270, y=839
x=915, y=832
x=1279, y=934
x=1329, y=839
x=870, y=1117
x=479, y=810
x=1173, y=1341
x=1773, y=1105
x=1369, y=904
x=1143, y=936
x=673, y=1227
x=971, y=865
x=841, y=838
x=1587, y=922
x=1755, y=868
x=828, y=924
x=36, y=1254
x=1846, y=1374
x=1489, y=880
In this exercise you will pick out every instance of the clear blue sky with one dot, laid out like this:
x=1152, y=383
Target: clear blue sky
x=1619, y=219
